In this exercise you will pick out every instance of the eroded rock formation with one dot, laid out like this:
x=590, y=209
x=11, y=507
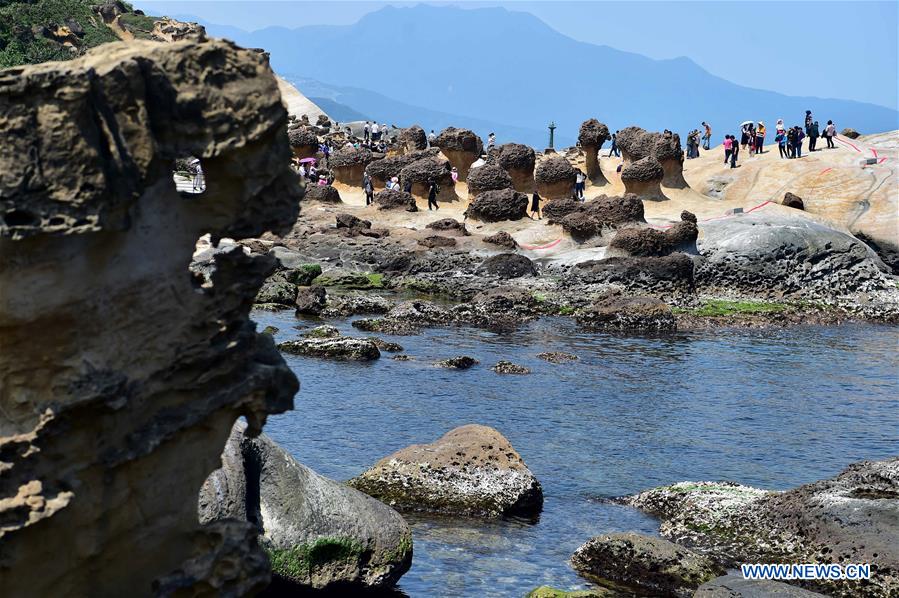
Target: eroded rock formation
x=303, y=142
x=591, y=137
x=494, y=206
x=591, y=218
x=461, y=147
x=555, y=178
x=421, y=172
x=637, y=144
x=489, y=177
x=121, y=373
x=348, y=164
x=412, y=139
x=643, y=178
x=518, y=160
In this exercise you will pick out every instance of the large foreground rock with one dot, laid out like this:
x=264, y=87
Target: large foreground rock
x=472, y=470
x=586, y=220
x=652, y=565
x=120, y=372
x=851, y=518
x=786, y=253
x=317, y=532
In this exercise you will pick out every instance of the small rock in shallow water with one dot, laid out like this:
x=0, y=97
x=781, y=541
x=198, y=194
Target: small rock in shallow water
x=386, y=345
x=549, y=592
x=344, y=348
x=507, y=367
x=463, y=362
x=557, y=357
x=325, y=331
x=402, y=358
x=472, y=470
x=651, y=564
x=270, y=330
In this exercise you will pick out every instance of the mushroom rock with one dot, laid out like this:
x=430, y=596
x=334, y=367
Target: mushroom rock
x=461, y=147
x=591, y=137
x=122, y=373
x=348, y=164
x=489, y=177
x=392, y=199
x=412, y=139
x=322, y=193
x=518, y=160
x=498, y=204
x=635, y=144
x=423, y=171
x=643, y=178
x=670, y=154
x=557, y=209
x=303, y=142
x=384, y=169
x=555, y=177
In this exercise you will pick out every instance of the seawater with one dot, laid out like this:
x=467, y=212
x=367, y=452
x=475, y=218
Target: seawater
x=769, y=408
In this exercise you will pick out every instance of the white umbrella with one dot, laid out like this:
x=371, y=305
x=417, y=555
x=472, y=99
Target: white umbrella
x=747, y=122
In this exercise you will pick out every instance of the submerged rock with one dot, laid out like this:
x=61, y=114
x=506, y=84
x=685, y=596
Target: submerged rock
x=318, y=533
x=652, y=565
x=463, y=362
x=550, y=592
x=557, y=357
x=343, y=348
x=507, y=367
x=471, y=470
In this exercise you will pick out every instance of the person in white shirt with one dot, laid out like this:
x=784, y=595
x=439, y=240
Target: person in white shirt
x=580, y=182
x=375, y=132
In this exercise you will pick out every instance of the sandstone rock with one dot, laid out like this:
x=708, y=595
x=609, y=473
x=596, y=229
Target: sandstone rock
x=448, y=225
x=554, y=211
x=462, y=362
x=471, y=470
x=518, y=160
x=489, y=177
x=673, y=272
x=850, y=133
x=591, y=137
x=503, y=239
x=508, y=265
x=433, y=241
x=421, y=172
x=461, y=147
x=646, y=242
x=851, y=518
x=735, y=586
x=318, y=533
x=145, y=365
x=494, y=206
x=670, y=154
x=649, y=564
x=348, y=164
x=342, y=348
x=555, y=178
x=793, y=201
x=643, y=179
x=507, y=367
x=591, y=218
x=303, y=142
x=412, y=139
x=635, y=144
x=310, y=300
x=391, y=199
x=322, y=193
x=557, y=357
x=167, y=29
x=632, y=313
x=384, y=169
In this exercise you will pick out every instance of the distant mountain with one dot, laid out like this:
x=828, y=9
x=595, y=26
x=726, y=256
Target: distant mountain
x=501, y=66
x=338, y=111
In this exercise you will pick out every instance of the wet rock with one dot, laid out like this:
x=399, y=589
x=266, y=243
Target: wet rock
x=433, y=241
x=310, y=300
x=448, y=225
x=649, y=564
x=793, y=201
x=386, y=345
x=391, y=199
x=342, y=348
x=463, y=362
x=673, y=272
x=851, y=518
x=518, y=160
x=270, y=330
x=557, y=357
x=735, y=586
x=402, y=358
x=348, y=164
x=303, y=142
x=357, y=303
x=632, y=313
x=325, y=331
x=643, y=179
x=495, y=206
x=502, y=239
x=591, y=136
x=144, y=366
x=555, y=178
x=550, y=592
x=411, y=139
x=322, y=193
x=461, y=147
x=508, y=265
x=646, y=242
x=591, y=218
x=489, y=177
x=497, y=309
x=407, y=318
x=850, y=133
x=279, y=292
x=471, y=470
x=318, y=533
x=507, y=367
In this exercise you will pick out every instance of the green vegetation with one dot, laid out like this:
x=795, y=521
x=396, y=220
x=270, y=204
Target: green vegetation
x=539, y=297
x=351, y=280
x=21, y=39
x=141, y=26
x=723, y=307
x=401, y=552
x=298, y=563
x=376, y=281
x=566, y=310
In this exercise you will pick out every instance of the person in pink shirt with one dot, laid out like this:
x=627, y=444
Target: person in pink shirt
x=728, y=148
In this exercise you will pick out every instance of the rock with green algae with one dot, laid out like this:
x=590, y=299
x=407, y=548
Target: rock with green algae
x=341, y=348
x=318, y=533
x=324, y=331
x=550, y=592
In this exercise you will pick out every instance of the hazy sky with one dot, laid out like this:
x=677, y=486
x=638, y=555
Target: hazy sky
x=842, y=49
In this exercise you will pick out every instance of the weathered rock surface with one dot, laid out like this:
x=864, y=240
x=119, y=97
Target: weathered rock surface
x=433, y=241
x=342, y=348
x=391, y=199
x=508, y=265
x=589, y=219
x=448, y=225
x=850, y=133
x=550, y=592
x=421, y=172
x=384, y=169
x=646, y=242
x=507, y=367
x=461, y=147
x=348, y=164
x=503, y=239
x=310, y=300
x=412, y=139
x=786, y=253
x=140, y=363
x=637, y=144
x=462, y=362
x=318, y=533
x=489, y=177
x=670, y=154
x=555, y=178
x=673, y=272
x=591, y=136
x=652, y=565
x=735, y=586
x=518, y=160
x=303, y=142
x=851, y=518
x=322, y=193
x=557, y=357
x=495, y=206
x=342, y=306
x=631, y=313
x=793, y=201
x=643, y=178
x=471, y=470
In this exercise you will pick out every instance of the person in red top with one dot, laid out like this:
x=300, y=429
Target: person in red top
x=728, y=148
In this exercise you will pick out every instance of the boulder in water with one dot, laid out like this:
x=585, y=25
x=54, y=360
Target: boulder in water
x=507, y=367
x=462, y=362
x=341, y=348
x=632, y=313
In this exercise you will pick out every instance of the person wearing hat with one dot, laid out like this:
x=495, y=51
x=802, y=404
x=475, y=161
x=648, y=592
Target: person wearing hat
x=760, y=137
x=808, y=121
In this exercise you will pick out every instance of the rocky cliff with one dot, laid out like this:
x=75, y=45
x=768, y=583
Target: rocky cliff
x=121, y=373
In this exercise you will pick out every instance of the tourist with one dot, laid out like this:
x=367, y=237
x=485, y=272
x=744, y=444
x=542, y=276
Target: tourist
x=707, y=138
x=814, y=133
x=791, y=142
x=781, y=139
x=760, y=137
x=491, y=141
x=455, y=174
x=830, y=132
x=375, y=132
x=384, y=133
x=750, y=135
x=302, y=171
x=808, y=121
x=313, y=171
x=394, y=184
x=728, y=148
x=366, y=131
x=580, y=182
x=368, y=188
x=326, y=153
x=744, y=135
x=614, y=149
x=535, y=206
x=197, y=169
x=797, y=141
x=433, y=190
x=736, y=153
x=779, y=127
x=322, y=180
x=432, y=138
x=407, y=185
